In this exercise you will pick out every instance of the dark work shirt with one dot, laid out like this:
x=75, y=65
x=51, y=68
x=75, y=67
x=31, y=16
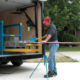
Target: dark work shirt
x=53, y=32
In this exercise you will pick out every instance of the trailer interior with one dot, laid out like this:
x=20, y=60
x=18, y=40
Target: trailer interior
x=19, y=21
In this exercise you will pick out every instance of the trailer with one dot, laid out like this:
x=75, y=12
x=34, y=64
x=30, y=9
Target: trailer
x=26, y=14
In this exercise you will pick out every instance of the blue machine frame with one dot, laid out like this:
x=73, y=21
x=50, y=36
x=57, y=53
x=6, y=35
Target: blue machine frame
x=4, y=35
x=1, y=37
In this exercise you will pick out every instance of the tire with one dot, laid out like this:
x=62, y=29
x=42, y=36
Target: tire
x=4, y=62
x=17, y=62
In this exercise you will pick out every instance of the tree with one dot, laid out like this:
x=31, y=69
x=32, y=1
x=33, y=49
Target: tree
x=65, y=14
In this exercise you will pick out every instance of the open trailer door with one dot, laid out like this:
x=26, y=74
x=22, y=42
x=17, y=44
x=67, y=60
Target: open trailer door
x=30, y=14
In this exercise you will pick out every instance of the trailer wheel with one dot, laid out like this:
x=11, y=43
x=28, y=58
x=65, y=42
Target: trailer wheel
x=18, y=62
x=4, y=62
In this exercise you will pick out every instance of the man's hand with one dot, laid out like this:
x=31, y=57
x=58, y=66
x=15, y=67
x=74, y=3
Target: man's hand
x=43, y=41
x=47, y=38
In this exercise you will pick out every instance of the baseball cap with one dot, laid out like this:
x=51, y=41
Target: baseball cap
x=46, y=19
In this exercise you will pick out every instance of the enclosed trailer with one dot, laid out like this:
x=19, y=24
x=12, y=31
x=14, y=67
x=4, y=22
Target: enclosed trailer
x=20, y=20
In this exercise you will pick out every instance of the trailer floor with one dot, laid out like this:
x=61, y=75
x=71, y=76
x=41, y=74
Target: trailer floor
x=66, y=71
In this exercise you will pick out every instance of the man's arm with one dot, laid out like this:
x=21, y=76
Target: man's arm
x=47, y=38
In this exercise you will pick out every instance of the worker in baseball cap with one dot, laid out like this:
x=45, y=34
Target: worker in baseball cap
x=51, y=37
x=46, y=19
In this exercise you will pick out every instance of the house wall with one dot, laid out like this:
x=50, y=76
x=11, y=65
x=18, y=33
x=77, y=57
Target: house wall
x=17, y=18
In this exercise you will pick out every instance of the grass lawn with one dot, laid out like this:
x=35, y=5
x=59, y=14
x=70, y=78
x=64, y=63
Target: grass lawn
x=63, y=48
x=67, y=48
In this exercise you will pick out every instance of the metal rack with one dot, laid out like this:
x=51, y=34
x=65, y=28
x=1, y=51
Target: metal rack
x=14, y=25
x=3, y=34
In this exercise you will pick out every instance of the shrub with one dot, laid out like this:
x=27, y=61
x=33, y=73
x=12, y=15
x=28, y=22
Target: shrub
x=69, y=37
x=66, y=37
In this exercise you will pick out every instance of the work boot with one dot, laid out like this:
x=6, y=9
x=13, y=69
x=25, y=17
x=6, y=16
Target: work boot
x=49, y=75
x=55, y=73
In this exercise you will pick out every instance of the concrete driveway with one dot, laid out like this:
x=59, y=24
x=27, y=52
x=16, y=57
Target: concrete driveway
x=73, y=55
x=66, y=71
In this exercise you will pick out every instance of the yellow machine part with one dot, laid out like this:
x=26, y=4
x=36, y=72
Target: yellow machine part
x=41, y=37
x=22, y=50
x=12, y=35
x=34, y=45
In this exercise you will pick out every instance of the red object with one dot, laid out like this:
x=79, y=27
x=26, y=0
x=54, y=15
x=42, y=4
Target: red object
x=46, y=19
x=73, y=43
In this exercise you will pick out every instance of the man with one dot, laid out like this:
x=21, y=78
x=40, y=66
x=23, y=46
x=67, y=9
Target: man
x=51, y=37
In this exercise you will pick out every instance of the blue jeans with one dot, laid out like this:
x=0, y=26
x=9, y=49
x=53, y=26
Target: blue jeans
x=52, y=59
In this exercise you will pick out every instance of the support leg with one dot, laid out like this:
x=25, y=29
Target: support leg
x=45, y=62
x=35, y=68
